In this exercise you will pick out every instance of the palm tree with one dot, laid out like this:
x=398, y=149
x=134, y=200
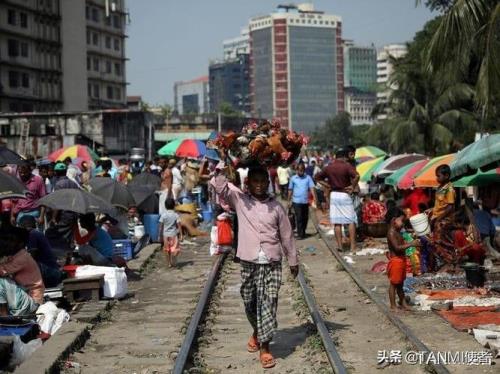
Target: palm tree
x=466, y=48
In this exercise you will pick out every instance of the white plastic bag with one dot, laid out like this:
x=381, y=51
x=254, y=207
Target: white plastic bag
x=213, y=241
x=115, y=279
x=21, y=352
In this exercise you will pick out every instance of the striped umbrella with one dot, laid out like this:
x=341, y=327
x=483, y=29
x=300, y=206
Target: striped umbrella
x=396, y=162
x=479, y=179
x=170, y=148
x=366, y=169
x=426, y=177
x=403, y=177
x=191, y=148
x=74, y=151
x=369, y=151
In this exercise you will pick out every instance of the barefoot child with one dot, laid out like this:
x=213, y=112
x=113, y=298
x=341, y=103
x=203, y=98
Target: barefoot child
x=170, y=229
x=396, y=269
x=265, y=234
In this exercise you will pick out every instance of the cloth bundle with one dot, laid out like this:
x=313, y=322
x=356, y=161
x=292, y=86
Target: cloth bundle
x=266, y=144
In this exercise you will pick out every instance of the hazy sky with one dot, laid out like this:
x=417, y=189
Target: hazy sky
x=173, y=40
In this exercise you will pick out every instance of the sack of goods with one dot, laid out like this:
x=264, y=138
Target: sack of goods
x=266, y=144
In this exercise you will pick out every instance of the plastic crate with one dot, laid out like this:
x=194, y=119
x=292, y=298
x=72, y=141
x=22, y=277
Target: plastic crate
x=123, y=248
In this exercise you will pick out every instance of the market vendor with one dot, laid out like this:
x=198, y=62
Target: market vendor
x=41, y=251
x=96, y=246
x=444, y=203
x=21, y=285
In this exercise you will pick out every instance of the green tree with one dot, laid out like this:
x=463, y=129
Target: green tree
x=227, y=110
x=466, y=48
x=336, y=132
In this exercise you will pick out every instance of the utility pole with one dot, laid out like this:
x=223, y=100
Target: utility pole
x=219, y=122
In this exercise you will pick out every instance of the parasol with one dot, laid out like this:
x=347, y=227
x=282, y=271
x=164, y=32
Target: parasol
x=426, y=177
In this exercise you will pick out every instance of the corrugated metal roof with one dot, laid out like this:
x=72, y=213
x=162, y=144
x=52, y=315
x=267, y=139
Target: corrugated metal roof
x=166, y=137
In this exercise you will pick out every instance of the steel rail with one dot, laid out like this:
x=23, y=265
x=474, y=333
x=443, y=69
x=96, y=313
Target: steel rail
x=182, y=357
x=410, y=335
x=330, y=350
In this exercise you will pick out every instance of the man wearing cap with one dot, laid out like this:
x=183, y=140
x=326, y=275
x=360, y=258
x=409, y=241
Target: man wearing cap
x=62, y=181
x=35, y=187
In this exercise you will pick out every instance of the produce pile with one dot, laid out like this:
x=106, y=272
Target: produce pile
x=266, y=144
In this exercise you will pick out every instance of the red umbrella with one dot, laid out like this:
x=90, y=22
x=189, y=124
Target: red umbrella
x=191, y=148
x=406, y=180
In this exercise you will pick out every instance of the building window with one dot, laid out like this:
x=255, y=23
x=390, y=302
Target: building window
x=95, y=38
x=13, y=47
x=116, y=21
x=109, y=92
x=23, y=20
x=118, y=69
x=108, y=42
x=96, y=64
x=97, y=94
x=26, y=80
x=107, y=21
x=24, y=49
x=118, y=93
x=87, y=12
x=95, y=14
x=108, y=67
x=89, y=64
x=13, y=79
x=4, y=130
x=89, y=37
x=11, y=17
x=117, y=44
x=89, y=90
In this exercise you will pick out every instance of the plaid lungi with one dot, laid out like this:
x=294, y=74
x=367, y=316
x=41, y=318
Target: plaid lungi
x=260, y=284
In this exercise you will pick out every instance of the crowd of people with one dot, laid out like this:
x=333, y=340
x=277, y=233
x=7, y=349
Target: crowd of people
x=268, y=206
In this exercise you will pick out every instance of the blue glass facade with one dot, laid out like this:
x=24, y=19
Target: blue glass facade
x=229, y=83
x=313, y=76
x=190, y=104
x=262, y=72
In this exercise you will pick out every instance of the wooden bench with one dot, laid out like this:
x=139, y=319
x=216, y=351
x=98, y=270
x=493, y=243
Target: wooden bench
x=92, y=283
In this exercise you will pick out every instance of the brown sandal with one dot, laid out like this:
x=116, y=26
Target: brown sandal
x=267, y=360
x=253, y=345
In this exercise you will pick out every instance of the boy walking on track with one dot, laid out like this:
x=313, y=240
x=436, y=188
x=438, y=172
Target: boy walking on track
x=264, y=235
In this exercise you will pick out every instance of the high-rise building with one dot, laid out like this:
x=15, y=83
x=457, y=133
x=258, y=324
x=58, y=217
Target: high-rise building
x=296, y=66
x=234, y=47
x=229, y=83
x=93, y=37
x=191, y=97
x=384, y=71
x=30, y=56
x=360, y=81
x=62, y=55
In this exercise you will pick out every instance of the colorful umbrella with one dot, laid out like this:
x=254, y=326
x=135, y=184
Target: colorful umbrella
x=74, y=151
x=479, y=179
x=365, y=169
x=403, y=177
x=191, y=148
x=170, y=148
x=396, y=162
x=426, y=177
x=484, y=154
x=369, y=151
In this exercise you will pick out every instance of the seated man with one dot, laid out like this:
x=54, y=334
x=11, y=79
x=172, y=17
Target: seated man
x=373, y=210
x=96, y=246
x=41, y=251
x=21, y=285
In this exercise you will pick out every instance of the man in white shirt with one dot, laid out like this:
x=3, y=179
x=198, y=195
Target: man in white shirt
x=177, y=180
x=283, y=180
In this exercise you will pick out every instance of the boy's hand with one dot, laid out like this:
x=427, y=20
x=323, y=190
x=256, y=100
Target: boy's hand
x=294, y=270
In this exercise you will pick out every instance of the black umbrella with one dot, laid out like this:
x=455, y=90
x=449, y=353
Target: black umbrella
x=145, y=197
x=78, y=201
x=146, y=179
x=8, y=156
x=112, y=191
x=11, y=187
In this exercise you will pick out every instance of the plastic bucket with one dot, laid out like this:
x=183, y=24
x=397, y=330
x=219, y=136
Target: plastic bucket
x=139, y=231
x=475, y=275
x=420, y=223
x=151, y=226
x=207, y=215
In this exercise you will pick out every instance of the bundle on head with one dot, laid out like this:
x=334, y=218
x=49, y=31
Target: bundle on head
x=266, y=144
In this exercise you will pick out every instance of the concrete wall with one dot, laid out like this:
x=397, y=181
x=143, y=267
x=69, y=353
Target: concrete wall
x=74, y=55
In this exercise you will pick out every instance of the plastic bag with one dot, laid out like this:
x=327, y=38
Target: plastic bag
x=115, y=279
x=21, y=352
x=213, y=241
x=224, y=233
